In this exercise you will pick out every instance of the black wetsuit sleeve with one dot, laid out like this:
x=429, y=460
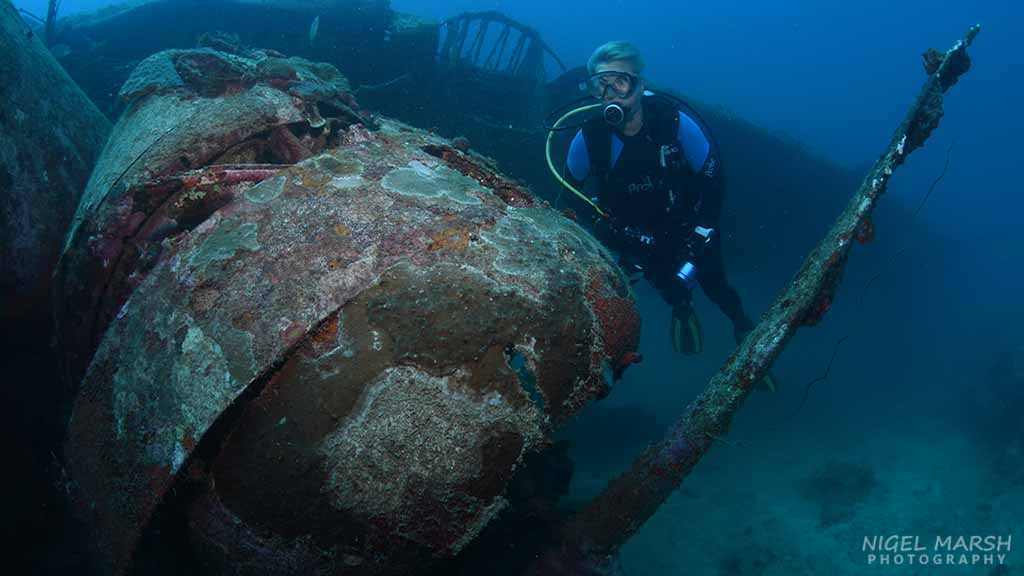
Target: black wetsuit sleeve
x=705, y=185
x=710, y=189
x=706, y=192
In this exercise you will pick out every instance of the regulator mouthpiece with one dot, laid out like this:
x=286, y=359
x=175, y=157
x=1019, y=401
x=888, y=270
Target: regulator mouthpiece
x=614, y=114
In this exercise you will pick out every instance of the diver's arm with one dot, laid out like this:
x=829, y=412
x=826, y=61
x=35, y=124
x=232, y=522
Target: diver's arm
x=574, y=171
x=703, y=161
x=577, y=169
x=696, y=230
x=578, y=161
x=711, y=189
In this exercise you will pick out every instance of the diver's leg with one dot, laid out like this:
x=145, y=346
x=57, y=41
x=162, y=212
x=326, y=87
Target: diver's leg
x=685, y=331
x=716, y=286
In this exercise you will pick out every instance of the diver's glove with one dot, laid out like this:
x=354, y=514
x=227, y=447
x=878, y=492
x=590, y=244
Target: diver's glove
x=697, y=242
x=608, y=231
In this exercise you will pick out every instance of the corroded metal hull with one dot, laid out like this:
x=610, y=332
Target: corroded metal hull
x=327, y=352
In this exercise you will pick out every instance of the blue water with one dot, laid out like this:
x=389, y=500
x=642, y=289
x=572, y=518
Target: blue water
x=838, y=76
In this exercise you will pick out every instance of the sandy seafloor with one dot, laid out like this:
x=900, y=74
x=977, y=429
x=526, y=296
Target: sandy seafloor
x=746, y=508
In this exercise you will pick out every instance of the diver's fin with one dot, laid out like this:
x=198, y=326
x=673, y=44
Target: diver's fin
x=768, y=382
x=686, y=332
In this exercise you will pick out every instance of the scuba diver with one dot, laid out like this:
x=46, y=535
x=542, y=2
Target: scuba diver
x=659, y=188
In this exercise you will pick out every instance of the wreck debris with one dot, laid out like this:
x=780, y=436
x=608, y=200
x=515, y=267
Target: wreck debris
x=50, y=136
x=52, y=9
x=319, y=353
x=523, y=59
x=486, y=60
x=203, y=126
x=592, y=537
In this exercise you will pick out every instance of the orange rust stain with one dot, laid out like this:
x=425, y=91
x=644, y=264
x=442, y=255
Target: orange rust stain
x=328, y=332
x=866, y=232
x=188, y=441
x=203, y=299
x=451, y=238
x=342, y=230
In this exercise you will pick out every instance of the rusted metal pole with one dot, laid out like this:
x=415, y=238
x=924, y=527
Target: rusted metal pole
x=51, y=21
x=593, y=536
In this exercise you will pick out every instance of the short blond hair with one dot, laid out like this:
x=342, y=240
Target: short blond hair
x=615, y=51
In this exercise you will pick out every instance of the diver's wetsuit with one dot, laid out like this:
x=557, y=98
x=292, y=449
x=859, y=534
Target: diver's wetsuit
x=654, y=209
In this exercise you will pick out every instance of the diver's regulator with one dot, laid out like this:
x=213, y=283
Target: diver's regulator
x=614, y=114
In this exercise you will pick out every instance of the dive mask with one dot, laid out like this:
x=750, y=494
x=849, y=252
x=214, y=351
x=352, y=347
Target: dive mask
x=610, y=84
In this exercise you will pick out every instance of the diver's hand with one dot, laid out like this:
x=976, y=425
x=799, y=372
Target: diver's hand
x=697, y=242
x=608, y=230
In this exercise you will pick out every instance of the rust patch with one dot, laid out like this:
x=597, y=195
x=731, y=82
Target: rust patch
x=204, y=298
x=188, y=440
x=866, y=231
x=620, y=323
x=450, y=239
x=327, y=333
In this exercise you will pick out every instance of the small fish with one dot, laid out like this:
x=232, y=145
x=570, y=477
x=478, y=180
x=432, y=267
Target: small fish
x=313, y=29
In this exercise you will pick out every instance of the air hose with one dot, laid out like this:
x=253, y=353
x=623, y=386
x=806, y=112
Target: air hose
x=551, y=165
